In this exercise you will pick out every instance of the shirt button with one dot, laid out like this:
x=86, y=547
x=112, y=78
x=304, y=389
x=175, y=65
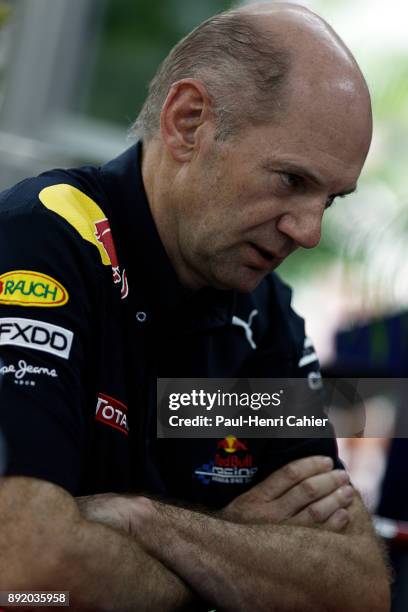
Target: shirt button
x=141, y=316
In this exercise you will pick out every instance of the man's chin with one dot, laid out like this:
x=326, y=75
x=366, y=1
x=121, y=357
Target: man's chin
x=245, y=280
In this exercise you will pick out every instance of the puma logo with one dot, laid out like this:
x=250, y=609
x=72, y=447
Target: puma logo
x=247, y=327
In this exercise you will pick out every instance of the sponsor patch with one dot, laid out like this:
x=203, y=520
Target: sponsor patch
x=112, y=412
x=89, y=221
x=23, y=373
x=38, y=335
x=231, y=444
x=233, y=464
x=28, y=288
x=103, y=235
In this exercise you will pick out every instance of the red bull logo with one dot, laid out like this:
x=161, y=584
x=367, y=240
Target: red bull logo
x=103, y=235
x=89, y=220
x=233, y=463
x=231, y=444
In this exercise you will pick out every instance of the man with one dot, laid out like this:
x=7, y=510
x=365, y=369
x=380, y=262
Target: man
x=157, y=265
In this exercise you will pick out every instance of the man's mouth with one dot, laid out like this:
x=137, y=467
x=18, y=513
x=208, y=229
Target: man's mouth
x=267, y=255
x=261, y=258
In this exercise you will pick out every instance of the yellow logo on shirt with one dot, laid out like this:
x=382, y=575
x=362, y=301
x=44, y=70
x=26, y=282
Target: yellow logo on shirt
x=28, y=288
x=83, y=214
x=79, y=210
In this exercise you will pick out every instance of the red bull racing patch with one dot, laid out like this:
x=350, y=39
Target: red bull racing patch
x=233, y=463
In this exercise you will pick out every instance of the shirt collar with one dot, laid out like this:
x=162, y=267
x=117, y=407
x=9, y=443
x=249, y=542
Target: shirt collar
x=153, y=283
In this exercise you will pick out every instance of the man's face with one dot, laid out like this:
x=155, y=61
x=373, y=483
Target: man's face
x=247, y=203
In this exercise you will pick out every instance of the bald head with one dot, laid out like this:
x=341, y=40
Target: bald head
x=315, y=48
x=297, y=28
x=322, y=66
x=256, y=62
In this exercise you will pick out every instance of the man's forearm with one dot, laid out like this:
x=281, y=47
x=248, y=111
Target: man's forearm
x=107, y=570
x=296, y=541
x=47, y=545
x=267, y=567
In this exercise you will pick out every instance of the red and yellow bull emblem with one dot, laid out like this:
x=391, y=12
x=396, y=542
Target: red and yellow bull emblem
x=89, y=221
x=231, y=444
x=103, y=235
x=233, y=463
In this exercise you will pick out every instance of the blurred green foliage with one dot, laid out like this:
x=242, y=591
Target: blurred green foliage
x=136, y=36
x=5, y=11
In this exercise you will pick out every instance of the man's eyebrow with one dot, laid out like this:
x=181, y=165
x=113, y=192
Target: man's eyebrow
x=292, y=168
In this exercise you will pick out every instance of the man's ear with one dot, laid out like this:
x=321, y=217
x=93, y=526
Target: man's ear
x=186, y=109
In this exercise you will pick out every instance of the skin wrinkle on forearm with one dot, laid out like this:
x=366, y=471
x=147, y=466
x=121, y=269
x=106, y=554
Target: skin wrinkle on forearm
x=47, y=545
x=235, y=565
x=130, y=578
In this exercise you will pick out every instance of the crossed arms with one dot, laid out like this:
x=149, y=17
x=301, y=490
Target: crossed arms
x=298, y=541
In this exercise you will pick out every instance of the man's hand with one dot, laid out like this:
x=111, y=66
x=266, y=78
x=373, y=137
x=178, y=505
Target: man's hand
x=265, y=565
x=109, y=509
x=306, y=492
x=245, y=551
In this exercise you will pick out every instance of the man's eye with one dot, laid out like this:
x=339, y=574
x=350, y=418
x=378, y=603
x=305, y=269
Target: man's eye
x=293, y=181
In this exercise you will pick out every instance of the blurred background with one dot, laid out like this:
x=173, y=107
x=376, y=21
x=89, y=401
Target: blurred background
x=73, y=76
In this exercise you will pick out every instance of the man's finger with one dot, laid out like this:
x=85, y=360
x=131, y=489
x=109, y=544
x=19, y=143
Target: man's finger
x=321, y=511
x=311, y=490
x=290, y=475
x=337, y=521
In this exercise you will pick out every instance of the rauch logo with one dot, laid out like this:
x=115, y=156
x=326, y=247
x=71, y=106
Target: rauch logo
x=27, y=288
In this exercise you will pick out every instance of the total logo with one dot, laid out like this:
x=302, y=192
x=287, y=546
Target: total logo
x=28, y=288
x=233, y=464
x=112, y=412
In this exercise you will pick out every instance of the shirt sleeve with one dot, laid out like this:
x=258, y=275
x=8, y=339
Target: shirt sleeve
x=48, y=291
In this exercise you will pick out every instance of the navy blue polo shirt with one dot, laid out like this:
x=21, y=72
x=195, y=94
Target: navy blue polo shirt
x=92, y=312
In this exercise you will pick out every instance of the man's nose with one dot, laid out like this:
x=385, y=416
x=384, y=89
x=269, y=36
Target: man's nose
x=304, y=229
